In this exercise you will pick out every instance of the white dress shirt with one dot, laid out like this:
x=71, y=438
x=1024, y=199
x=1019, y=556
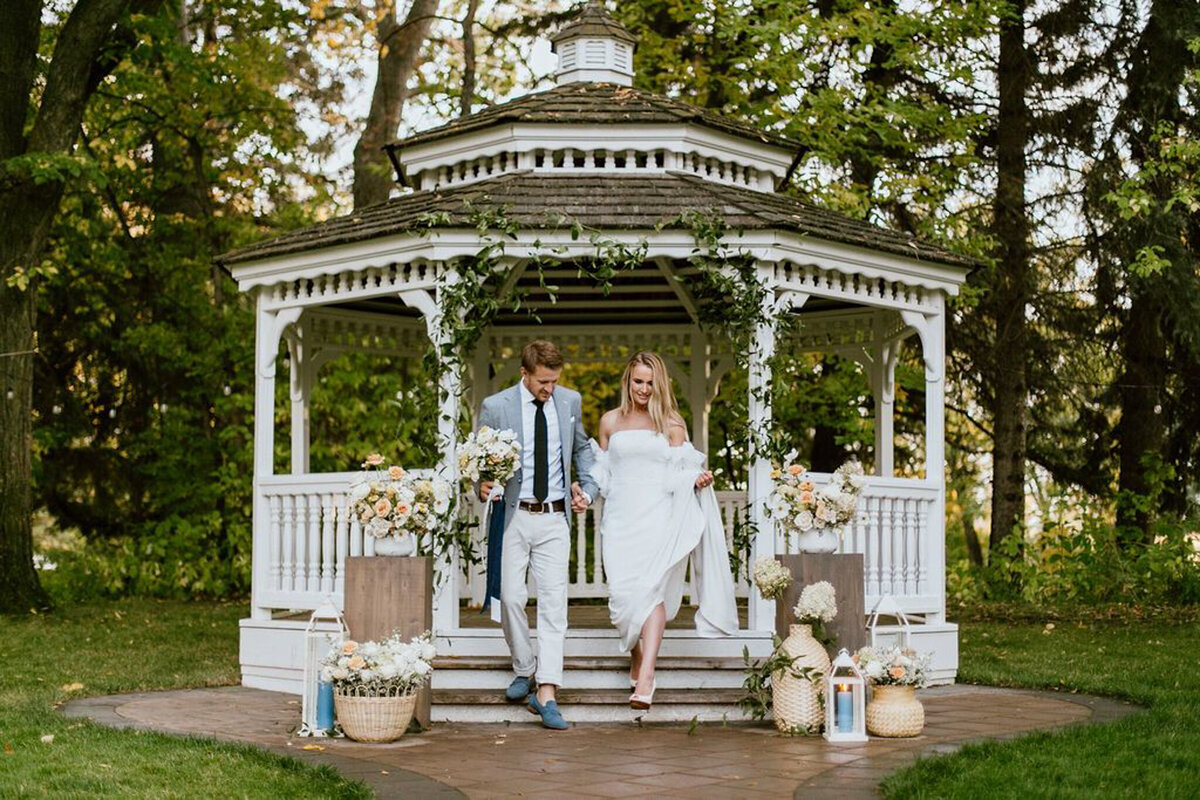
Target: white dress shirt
x=555, y=490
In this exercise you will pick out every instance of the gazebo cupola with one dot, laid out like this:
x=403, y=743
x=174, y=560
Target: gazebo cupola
x=594, y=48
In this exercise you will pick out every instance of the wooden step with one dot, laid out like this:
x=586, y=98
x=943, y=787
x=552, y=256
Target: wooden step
x=615, y=663
x=615, y=697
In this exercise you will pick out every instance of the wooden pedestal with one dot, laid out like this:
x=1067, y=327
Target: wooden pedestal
x=391, y=593
x=845, y=572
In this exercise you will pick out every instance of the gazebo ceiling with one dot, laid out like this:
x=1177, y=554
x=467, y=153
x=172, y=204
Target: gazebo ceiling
x=595, y=201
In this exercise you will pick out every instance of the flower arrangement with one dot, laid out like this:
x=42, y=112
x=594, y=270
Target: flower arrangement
x=388, y=668
x=817, y=604
x=801, y=507
x=490, y=455
x=893, y=666
x=390, y=502
x=771, y=577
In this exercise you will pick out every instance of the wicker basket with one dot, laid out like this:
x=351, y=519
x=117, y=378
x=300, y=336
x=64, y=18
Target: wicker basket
x=374, y=719
x=797, y=701
x=895, y=712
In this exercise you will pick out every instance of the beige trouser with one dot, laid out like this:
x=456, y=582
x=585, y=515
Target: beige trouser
x=540, y=543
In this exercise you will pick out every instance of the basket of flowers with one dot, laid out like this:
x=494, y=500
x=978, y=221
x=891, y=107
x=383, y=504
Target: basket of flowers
x=375, y=684
x=895, y=673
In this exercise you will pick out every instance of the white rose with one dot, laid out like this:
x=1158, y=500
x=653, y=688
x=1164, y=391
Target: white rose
x=380, y=527
x=359, y=491
x=428, y=651
x=804, y=520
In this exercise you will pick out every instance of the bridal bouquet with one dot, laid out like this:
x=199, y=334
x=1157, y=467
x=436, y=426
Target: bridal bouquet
x=893, y=666
x=390, y=502
x=379, y=669
x=489, y=455
x=801, y=507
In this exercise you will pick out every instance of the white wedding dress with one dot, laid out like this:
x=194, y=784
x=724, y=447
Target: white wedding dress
x=653, y=520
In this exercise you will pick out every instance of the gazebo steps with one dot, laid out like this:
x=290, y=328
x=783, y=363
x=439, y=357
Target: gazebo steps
x=590, y=705
x=593, y=674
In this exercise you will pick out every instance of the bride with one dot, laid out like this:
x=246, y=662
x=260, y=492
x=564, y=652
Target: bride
x=659, y=509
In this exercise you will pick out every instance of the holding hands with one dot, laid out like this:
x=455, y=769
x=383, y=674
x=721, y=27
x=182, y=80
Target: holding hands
x=579, y=500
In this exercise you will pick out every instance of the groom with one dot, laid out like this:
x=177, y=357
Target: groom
x=538, y=500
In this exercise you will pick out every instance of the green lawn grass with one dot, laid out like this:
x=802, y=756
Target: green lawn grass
x=127, y=646
x=1152, y=660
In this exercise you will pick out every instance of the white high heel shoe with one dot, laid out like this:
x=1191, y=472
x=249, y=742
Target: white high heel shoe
x=640, y=703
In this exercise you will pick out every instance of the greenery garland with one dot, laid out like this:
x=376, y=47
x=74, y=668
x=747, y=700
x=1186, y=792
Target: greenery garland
x=731, y=298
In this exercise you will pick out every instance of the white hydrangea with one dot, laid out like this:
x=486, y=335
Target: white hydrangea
x=817, y=603
x=771, y=577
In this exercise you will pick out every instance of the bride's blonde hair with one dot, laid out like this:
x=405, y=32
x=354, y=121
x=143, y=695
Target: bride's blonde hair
x=662, y=406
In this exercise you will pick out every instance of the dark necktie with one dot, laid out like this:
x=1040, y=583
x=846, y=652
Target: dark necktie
x=541, y=463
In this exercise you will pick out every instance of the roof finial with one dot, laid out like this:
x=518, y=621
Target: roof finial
x=594, y=48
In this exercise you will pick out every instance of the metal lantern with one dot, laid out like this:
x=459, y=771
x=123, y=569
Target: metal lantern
x=317, y=643
x=845, y=701
x=897, y=635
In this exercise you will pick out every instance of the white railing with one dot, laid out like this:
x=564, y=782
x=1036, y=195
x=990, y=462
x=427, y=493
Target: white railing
x=306, y=534
x=892, y=531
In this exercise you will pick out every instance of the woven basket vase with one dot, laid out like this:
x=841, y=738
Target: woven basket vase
x=374, y=719
x=797, y=701
x=895, y=712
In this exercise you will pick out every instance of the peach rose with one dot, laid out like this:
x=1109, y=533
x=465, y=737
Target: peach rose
x=403, y=508
x=358, y=662
x=395, y=473
x=806, y=486
x=806, y=497
x=373, y=460
x=383, y=506
x=795, y=469
x=896, y=672
x=349, y=647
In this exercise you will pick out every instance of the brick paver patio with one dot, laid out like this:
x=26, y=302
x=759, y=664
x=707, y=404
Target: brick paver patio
x=604, y=760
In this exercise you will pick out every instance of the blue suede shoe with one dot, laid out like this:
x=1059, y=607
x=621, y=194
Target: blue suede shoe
x=552, y=718
x=519, y=689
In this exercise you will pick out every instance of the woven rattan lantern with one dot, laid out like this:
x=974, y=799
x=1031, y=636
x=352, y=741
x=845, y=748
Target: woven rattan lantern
x=845, y=701
x=316, y=646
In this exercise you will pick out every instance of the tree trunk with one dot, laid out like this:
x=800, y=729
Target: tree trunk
x=1140, y=431
x=82, y=55
x=1010, y=294
x=468, y=82
x=399, y=54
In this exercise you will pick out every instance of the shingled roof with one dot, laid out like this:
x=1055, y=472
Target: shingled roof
x=589, y=103
x=602, y=201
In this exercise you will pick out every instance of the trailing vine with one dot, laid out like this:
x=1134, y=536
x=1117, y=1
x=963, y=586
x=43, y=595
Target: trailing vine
x=733, y=301
x=757, y=702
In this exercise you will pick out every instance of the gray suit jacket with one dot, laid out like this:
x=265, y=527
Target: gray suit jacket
x=502, y=411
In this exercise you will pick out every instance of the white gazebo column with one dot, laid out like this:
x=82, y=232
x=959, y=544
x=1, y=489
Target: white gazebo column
x=268, y=327
x=934, y=349
x=445, y=600
x=932, y=329
x=300, y=385
x=759, y=412
x=883, y=384
x=699, y=374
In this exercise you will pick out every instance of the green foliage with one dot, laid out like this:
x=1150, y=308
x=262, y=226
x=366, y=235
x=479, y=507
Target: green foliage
x=1128, y=654
x=132, y=646
x=757, y=701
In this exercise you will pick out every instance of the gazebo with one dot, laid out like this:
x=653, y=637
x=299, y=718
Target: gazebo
x=549, y=185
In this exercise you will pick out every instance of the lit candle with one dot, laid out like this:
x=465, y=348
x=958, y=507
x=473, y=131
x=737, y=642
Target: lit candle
x=845, y=708
x=325, y=705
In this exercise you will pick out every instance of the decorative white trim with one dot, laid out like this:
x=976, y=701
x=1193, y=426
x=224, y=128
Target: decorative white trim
x=445, y=161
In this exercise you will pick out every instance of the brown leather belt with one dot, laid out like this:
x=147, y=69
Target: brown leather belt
x=543, y=508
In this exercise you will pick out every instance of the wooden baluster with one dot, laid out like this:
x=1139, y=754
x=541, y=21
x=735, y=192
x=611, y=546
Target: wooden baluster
x=597, y=549
x=287, y=582
x=342, y=536
x=275, y=534
x=312, y=534
x=328, y=520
